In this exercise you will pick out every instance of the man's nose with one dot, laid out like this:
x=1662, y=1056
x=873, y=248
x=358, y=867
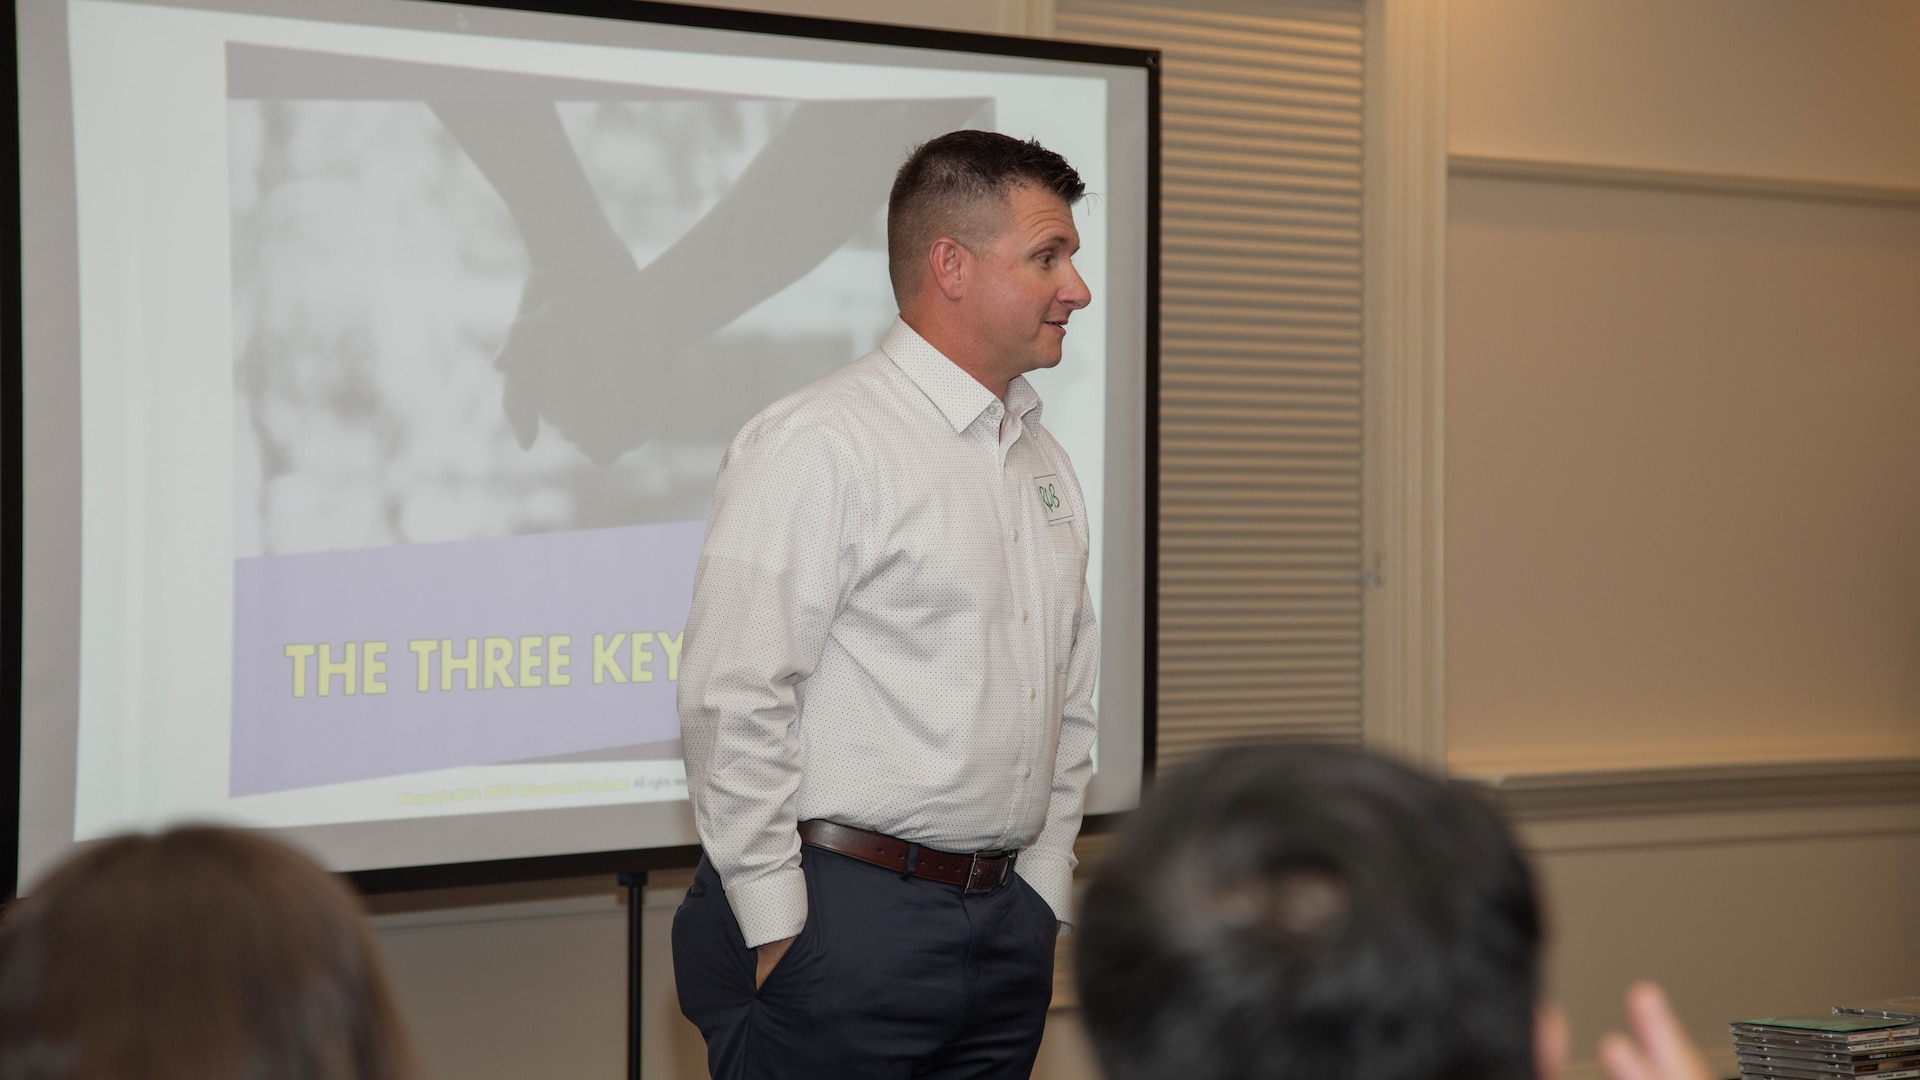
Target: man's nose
x=1075, y=294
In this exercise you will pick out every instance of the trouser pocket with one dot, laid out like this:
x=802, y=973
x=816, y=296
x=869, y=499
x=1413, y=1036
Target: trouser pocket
x=712, y=967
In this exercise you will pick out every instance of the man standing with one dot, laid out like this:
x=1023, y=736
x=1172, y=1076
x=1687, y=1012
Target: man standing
x=887, y=691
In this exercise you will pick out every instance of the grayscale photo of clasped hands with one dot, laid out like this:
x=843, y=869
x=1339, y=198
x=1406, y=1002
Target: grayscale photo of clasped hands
x=517, y=304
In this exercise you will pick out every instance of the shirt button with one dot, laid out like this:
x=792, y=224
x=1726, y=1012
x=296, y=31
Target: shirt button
x=1026, y=772
x=1016, y=536
x=1023, y=614
x=1032, y=693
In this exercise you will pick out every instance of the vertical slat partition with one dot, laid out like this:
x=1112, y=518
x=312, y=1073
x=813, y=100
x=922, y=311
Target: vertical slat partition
x=1260, y=396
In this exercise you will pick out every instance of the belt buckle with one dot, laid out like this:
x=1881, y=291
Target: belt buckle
x=973, y=872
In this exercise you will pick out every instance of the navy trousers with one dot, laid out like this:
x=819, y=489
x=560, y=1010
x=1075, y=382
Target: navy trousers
x=891, y=977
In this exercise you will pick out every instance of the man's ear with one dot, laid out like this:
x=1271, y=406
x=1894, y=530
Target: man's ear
x=949, y=266
x=1550, y=1040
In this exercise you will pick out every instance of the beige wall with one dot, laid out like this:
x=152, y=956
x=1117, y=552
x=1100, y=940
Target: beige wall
x=1683, y=488
x=1800, y=88
x=1738, y=914
x=1683, y=477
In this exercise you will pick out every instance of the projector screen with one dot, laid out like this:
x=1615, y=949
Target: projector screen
x=375, y=364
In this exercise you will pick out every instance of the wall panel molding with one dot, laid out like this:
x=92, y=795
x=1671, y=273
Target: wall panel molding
x=1562, y=836
x=1406, y=217
x=1695, y=788
x=1607, y=809
x=1492, y=167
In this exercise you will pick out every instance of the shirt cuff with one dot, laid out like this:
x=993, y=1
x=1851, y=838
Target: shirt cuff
x=1052, y=877
x=770, y=908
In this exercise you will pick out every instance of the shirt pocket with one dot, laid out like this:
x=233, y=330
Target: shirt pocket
x=1066, y=585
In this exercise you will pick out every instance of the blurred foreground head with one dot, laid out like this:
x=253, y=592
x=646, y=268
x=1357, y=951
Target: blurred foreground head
x=1310, y=913
x=200, y=953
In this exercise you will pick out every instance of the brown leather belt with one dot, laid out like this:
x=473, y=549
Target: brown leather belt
x=978, y=872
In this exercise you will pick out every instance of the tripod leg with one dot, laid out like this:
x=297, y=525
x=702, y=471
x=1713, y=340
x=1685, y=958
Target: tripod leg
x=636, y=883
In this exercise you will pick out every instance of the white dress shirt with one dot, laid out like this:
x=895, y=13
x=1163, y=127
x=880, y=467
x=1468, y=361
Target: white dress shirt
x=891, y=629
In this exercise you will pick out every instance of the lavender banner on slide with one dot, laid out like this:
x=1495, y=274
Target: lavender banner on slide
x=352, y=665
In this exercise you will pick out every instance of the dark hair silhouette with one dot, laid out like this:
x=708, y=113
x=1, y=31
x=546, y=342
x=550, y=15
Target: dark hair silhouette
x=1310, y=913
x=198, y=954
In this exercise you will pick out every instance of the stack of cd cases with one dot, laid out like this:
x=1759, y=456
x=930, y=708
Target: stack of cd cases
x=1849, y=1043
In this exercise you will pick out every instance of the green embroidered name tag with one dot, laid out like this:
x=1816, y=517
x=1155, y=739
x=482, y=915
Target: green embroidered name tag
x=1053, y=498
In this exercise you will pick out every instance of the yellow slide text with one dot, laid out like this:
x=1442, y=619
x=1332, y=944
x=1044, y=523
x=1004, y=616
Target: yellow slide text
x=527, y=662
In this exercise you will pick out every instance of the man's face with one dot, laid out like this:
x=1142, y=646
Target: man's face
x=1026, y=285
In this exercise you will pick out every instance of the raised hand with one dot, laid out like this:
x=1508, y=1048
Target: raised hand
x=1659, y=1048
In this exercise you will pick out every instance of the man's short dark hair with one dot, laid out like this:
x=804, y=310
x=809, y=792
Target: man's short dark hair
x=1310, y=913
x=956, y=185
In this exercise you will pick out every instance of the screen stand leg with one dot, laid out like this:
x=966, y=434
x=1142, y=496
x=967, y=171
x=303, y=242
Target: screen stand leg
x=636, y=884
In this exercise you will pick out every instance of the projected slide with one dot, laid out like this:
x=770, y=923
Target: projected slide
x=410, y=338
x=384, y=625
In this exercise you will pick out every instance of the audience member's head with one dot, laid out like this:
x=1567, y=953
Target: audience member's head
x=1311, y=913
x=199, y=954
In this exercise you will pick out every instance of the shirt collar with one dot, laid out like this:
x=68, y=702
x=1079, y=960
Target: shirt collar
x=958, y=395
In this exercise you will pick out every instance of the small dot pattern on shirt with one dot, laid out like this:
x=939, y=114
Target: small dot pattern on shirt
x=890, y=629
